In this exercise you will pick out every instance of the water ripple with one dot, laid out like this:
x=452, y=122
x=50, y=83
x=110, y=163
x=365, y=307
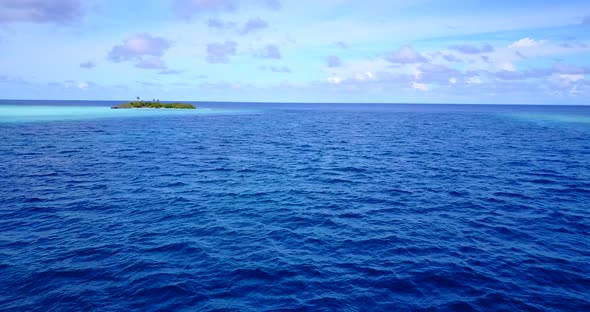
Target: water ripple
x=296, y=210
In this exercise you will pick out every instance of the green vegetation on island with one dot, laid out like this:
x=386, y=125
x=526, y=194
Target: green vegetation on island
x=154, y=104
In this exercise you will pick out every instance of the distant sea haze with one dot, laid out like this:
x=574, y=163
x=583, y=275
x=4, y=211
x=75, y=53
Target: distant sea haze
x=294, y=207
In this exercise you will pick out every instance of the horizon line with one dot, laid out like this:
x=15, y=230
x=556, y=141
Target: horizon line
x=309, y=103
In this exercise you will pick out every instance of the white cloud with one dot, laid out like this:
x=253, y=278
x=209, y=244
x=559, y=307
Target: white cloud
x=571, y=77
x=474, y=80
x=219, y=52
x=453, y=80
x=137, y=46
x=334, y=80
x=87, y=64
x=525, y=43
x=416, y=72
x=405, y=55
x=420, y=86
x=365, y=76
x=333, y=61
x=83, y=86
x=507, y=67
x=472, y=49
x=571, y=69
x=270, y=51
x=253, y=25
x=40, y=11
x=151, y=63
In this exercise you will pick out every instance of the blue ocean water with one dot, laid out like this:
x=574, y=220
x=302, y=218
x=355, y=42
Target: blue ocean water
x=294, y=207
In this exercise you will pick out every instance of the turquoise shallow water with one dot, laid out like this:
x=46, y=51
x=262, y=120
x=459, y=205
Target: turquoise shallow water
x=32, y=113
x=556, y=118
x=294, y=207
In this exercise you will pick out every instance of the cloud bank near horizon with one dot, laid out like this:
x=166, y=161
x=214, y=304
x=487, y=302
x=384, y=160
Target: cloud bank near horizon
x=271, y=50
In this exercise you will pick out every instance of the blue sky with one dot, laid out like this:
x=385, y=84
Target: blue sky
x=419, y=51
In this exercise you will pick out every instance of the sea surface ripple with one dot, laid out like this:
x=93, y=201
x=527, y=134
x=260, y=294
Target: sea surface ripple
x=296, y=210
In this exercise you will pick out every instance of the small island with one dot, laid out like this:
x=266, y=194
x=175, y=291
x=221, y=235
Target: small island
x=153, y=104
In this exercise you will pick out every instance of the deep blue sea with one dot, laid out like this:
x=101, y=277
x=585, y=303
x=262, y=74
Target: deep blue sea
x=294, y=207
